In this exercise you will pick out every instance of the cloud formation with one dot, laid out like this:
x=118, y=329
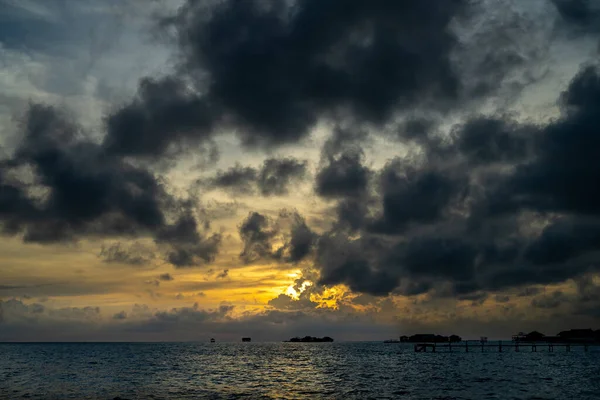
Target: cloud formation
x=272, y=179
x=274, y=84
x=59, y=186
x=435, y=182
x=466, y=215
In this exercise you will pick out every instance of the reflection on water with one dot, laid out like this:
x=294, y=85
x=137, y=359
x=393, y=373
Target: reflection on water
x=290, y=371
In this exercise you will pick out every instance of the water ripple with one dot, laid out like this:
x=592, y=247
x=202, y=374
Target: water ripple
x=288, y=371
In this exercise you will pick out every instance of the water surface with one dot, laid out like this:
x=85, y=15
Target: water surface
x=291, y=371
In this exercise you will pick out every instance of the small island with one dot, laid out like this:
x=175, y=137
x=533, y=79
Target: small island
x=310, y=339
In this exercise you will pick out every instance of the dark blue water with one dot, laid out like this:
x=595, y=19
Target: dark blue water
x=290, y=371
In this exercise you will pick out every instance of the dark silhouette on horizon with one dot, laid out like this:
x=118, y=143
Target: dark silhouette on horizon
x=310, y=339
x=428, y=338
x=570, y=336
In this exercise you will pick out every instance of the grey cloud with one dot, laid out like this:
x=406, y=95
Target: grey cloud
x=257, y=233
x=552, y=300
x=22, y=322
x=342, y=260
x=581, y=14
x=343, y=176
x=277, y=174
x=87, y=192
x=285, y=302
x=224, y=274
x=411, y=195
x=501, y=298
x=261, y=236
x=529, y=291
x=359, y=66
x=498, y=205
x=342, y=173
x=120, y=253
x=188, y=247
x=494, y=140
x=166, y=277
x=120, y=315
x=162, y=119
x=302, y=240
x=237, y=179
x=272, y=179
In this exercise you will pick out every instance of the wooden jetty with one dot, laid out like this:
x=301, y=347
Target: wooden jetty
x=500, y=346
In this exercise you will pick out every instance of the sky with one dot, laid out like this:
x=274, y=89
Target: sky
x=176, y=170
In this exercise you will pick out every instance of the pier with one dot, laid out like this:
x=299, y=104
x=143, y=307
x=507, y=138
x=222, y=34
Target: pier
x=500, y=346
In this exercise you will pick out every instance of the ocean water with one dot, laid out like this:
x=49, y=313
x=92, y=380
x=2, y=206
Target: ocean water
x=291, y=371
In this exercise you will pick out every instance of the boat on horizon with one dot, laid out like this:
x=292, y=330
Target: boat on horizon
x=212, y=340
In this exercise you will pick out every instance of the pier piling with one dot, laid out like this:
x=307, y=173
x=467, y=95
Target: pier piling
x=447, y=347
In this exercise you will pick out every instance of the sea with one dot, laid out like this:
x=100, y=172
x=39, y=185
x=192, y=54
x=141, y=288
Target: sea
x=292, y=371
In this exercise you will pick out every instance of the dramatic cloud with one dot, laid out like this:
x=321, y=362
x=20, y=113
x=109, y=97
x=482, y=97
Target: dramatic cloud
x=583, y=14
x=444, y=186
x=258, y=68
x=59, y=186
x=414, y=195
x=466, y=217
x=187, y=246
x=272, y=179
x=277, y=174
x=237, y=179
x=343, y=176
x=165, y=114
x=286, y=239
x=257, y=233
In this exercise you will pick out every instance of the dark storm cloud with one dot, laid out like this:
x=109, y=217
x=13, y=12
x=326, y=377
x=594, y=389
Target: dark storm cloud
x=500, y=205
x=77, y=189
x=272, y=179
x=413, y=195
x=302, y=240
x=286, y=239
x=344, y=176
x=416, y=128
x=451, y=258
x=353, y=262
x=493, y=140
x=187, y=246
x=237, y=179
x=564, y=154
x=257, y=233
x=564, y=240
x=582, y=14
x=277, y=174
x=271, y=70
x=165, y=114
